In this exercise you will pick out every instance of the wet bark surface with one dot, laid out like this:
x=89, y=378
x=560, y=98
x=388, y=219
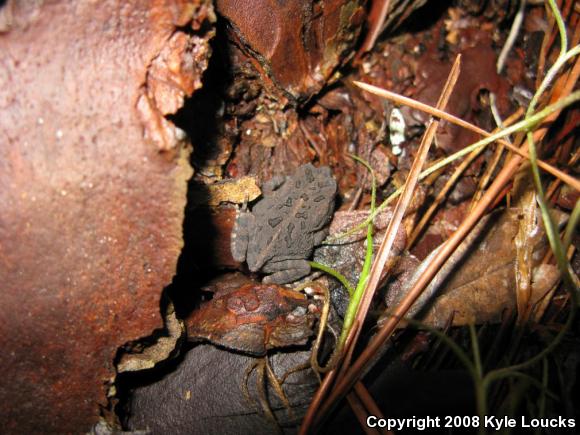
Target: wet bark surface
x=92, y=193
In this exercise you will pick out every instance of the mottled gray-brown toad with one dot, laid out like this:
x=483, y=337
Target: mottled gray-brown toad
x=280, y=232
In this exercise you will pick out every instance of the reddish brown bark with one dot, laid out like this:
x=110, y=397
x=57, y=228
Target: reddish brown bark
x=92, y=193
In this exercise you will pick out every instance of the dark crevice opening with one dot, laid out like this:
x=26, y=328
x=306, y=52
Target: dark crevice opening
x=200, y=118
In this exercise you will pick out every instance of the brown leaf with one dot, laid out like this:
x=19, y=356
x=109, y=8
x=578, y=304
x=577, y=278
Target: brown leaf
x=478, y=282
x=235, y=191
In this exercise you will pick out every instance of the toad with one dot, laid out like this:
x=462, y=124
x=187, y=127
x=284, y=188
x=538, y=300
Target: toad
x=282, y=229
x=253, y=319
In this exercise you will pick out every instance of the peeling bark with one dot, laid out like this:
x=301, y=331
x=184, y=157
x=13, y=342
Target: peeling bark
x=91, y=208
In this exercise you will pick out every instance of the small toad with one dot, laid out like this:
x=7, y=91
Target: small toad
x=254, y=318
x=283, y=228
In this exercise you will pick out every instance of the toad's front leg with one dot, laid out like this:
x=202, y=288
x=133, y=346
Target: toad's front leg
x=319, y=236
x=241, y=235
x=285, y=271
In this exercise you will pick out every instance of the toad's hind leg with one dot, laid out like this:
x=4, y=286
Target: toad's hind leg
x=285, y=271
x=260, y=367
x=265, y=376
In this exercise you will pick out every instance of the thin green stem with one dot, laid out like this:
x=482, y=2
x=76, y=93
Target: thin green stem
x=561, y=26
x=356, y=298
x=523, y=125
x=545, y=373
x=559, y=61
x=528, y=378
x=550, y=227
x=505, y=371
x=475, y=350
x=478, y=384
x=572, y=224
x=334, y=273
x=454, y=347
x=550, y=75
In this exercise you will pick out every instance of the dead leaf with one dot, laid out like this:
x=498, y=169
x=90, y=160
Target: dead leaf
x=478, y=282
x=235, y=191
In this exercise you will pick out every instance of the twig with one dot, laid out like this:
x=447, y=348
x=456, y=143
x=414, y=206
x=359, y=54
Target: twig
x=402, y=205
x=361, y=414
x=361, y=365
x=484, y=180
x=511, y=39
x=460, y=122
x=369, y=402
x=390, y=234
x=378, y=13
x=318, y=397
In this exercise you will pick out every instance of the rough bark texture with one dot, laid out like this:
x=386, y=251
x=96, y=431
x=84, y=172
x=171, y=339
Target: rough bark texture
x=92, y=193
x=296, y=44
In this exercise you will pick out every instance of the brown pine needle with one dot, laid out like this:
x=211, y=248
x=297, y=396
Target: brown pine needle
x=383, y=252
x=399, y=99
x=497, y=187
x=399, y=212
x=441, y=195
x=449, y=184
x=369, y=403
x=378, y=13
x=361, y=414
x=490, y=169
